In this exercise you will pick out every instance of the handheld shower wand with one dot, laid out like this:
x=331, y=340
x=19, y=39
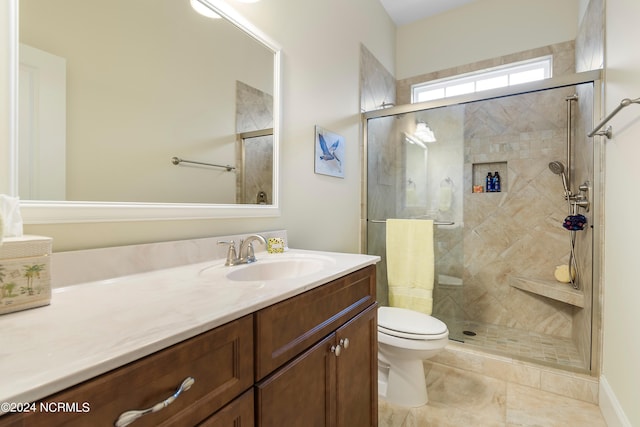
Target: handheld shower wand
x=558, y=168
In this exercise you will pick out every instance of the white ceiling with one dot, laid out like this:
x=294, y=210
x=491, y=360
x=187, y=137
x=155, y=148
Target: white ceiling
x=406, y=11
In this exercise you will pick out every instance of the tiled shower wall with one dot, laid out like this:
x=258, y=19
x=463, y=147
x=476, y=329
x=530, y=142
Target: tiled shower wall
x=518, y=232
x=377, y=84
x=254, y=156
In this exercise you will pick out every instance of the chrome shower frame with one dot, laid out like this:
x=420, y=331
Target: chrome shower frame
x=593, y=76
x=592, y=190
x=570, y=100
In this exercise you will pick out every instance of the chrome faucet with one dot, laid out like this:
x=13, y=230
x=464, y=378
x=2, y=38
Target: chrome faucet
x=245, y=253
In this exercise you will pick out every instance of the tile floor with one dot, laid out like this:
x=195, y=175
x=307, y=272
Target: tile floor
x=460, y=398
x=525, y=345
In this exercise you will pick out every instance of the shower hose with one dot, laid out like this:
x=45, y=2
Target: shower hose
x=573, y=264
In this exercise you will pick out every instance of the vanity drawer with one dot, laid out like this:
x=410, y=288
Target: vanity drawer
x=220, y=361
x=286, y=329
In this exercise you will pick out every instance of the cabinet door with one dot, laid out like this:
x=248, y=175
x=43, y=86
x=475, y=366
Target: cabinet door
x=238, y=413
x=287, y=328
x=301, y=393
x=357, y=371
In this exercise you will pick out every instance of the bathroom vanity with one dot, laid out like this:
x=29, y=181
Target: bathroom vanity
x=290, y=351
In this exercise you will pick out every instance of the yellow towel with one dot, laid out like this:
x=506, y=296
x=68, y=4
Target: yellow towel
x=410, y=264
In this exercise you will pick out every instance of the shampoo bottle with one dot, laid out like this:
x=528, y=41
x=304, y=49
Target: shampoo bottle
x=489, y=183
x=496, y=182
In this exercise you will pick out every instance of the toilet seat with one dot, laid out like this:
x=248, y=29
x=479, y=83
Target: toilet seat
x=409, y=324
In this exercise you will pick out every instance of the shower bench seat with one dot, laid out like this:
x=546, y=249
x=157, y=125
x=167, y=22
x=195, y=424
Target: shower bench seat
x=550, y=289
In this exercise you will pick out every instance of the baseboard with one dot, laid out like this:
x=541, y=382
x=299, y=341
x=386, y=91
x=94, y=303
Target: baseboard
x=610, y=407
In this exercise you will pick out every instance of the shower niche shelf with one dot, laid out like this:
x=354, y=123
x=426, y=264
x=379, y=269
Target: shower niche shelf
x=480, y=171
x=562, y=292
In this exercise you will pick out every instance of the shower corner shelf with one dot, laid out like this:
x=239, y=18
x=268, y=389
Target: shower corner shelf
x=551, y=289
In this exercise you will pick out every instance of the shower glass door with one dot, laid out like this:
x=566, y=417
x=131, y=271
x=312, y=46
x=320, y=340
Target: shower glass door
x=411, y=175
x=495, y=251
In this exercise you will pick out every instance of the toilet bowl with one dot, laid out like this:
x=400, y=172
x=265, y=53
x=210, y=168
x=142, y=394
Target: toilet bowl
x=405, y=339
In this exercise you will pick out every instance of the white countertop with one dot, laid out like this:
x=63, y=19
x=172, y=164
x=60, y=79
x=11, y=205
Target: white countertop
x=94, y=327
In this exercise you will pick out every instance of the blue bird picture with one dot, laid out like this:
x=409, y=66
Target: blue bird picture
x=329, y=153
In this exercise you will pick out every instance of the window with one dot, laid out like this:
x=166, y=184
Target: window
x=492, y=78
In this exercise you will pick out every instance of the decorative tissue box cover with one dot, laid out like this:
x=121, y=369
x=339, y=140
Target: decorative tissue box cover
x=25, y=274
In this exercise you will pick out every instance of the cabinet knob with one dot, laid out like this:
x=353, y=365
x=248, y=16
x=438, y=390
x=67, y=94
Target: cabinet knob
x=336, y=349
x=344, y=343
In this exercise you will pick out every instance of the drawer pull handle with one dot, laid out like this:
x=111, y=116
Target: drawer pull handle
x=128, y=417
x=344, y=343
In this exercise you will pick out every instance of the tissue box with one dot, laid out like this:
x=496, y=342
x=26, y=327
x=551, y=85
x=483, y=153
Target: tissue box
x=25, y=273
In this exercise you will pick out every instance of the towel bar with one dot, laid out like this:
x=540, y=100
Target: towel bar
x=607, y=132
x=382, y=221
x=177, y=160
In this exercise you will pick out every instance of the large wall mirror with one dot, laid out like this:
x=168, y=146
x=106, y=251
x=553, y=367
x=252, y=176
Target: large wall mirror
x=139, y=109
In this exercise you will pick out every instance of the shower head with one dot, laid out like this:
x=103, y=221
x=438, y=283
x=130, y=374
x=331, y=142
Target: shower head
x=558, y=168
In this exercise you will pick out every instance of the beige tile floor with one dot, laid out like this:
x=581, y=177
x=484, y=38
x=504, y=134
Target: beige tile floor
x=525, y=345
x=459, y=398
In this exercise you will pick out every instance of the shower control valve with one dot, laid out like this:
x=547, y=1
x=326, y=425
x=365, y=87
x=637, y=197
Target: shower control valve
x=582, y=200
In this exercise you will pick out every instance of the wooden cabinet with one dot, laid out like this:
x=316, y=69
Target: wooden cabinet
x=299, y=393
x=332, y=378
x=310, y=360
x=357, y=371
x=286, y=329
x=238, y=413
x=220, y=361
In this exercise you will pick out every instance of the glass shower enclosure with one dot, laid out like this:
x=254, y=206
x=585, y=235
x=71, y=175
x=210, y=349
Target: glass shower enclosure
x=496, y=249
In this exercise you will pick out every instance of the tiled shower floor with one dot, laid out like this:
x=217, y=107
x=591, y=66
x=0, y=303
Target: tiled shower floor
x=524, y=345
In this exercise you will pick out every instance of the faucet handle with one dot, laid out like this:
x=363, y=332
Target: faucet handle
x=232, y=256
x=251, y=255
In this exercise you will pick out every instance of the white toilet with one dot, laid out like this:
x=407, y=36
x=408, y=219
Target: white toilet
x=405, y=339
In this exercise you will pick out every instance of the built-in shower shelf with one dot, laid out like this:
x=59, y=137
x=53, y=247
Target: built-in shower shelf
x=551, y=289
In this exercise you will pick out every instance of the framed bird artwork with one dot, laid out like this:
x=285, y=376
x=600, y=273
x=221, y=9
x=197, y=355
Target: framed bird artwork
x=329, y=153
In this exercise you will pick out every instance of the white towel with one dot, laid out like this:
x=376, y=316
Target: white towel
x=410, y=264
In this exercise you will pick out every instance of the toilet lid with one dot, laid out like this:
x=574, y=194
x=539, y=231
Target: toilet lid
x=406, y=323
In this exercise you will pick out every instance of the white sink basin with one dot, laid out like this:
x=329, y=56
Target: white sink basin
x=275, y=267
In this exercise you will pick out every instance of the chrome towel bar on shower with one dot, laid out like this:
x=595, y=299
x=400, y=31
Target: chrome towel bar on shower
x=178, y=160
x=383, y=221
x=607, y=132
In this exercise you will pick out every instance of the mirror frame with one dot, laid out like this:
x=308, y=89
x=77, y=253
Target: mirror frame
x=48, y=212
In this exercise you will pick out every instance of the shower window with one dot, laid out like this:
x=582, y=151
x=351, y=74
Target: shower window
x=491, y=78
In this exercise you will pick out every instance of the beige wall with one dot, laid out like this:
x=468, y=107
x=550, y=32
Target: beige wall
x=480, y=30
x=622, y=271
x=321, y=46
